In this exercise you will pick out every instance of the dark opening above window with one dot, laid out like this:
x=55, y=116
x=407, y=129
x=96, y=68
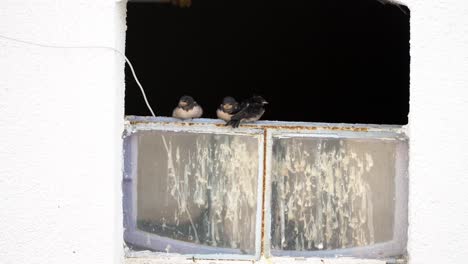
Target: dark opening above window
x=315, y=61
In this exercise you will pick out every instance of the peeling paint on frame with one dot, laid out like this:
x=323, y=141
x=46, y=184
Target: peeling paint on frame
x=301, y=127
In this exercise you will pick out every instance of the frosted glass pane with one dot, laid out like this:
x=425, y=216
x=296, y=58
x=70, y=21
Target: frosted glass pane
x=331, y=193
x=198, y=188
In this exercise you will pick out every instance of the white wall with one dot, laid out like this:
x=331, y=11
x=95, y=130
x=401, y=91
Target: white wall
x=438, y=131
x=61, y=118
x=61, y=115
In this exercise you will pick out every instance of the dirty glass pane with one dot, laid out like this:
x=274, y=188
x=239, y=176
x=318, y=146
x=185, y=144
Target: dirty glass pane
x=198, y=187
x=332, y=193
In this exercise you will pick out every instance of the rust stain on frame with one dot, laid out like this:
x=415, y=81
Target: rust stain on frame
x=262, y=240
x=261, y=126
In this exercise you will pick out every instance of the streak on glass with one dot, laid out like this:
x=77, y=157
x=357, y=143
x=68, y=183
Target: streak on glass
x=198, y=187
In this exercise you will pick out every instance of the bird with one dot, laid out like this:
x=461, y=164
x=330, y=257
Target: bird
x=250, y=110
x=227, y=108
x=187, y=109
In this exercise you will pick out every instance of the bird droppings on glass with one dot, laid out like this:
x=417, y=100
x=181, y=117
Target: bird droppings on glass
x=331, y=193
x=198, y=187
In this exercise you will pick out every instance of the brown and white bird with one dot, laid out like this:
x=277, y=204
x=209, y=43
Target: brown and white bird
x=187, y=109
x=227, y=109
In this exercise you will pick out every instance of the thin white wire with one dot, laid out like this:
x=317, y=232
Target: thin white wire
x=88, y=47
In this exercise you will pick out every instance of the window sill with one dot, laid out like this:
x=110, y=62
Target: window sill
x=149, y=121
x=175, y=259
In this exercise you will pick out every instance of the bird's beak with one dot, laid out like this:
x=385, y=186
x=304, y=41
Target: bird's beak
x=265, y=102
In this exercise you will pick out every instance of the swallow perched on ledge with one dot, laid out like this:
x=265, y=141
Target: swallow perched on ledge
x=227, y=109
x=250, y=110
x=187, y=109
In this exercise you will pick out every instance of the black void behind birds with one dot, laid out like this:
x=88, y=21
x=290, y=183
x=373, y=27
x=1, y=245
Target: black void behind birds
x=314, y=61
x=250, y=110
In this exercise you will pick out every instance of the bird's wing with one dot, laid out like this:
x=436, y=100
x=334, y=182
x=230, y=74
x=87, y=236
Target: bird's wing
x=244, y=112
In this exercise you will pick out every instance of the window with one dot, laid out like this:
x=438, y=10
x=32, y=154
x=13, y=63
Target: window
x=337, y=194
x=289, y=188
x=205, y=191
x=193, y=190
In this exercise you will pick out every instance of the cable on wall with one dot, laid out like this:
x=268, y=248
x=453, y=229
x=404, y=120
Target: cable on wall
x=42, y=45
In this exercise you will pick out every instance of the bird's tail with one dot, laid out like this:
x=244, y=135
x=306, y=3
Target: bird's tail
x=234, y=123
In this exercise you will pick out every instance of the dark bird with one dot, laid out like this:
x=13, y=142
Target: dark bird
x=227, y=109
x=250, y=111
x=187, y=109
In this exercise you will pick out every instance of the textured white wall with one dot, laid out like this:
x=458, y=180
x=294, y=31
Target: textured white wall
x=438, y=132
x=61, y=115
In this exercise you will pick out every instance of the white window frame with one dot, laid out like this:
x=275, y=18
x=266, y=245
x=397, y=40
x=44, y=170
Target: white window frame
x=266, y=130
x=133, y=235
x=400, y=230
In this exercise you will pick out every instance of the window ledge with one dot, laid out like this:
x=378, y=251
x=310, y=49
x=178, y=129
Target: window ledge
x=149, y=120
x=175, y=259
